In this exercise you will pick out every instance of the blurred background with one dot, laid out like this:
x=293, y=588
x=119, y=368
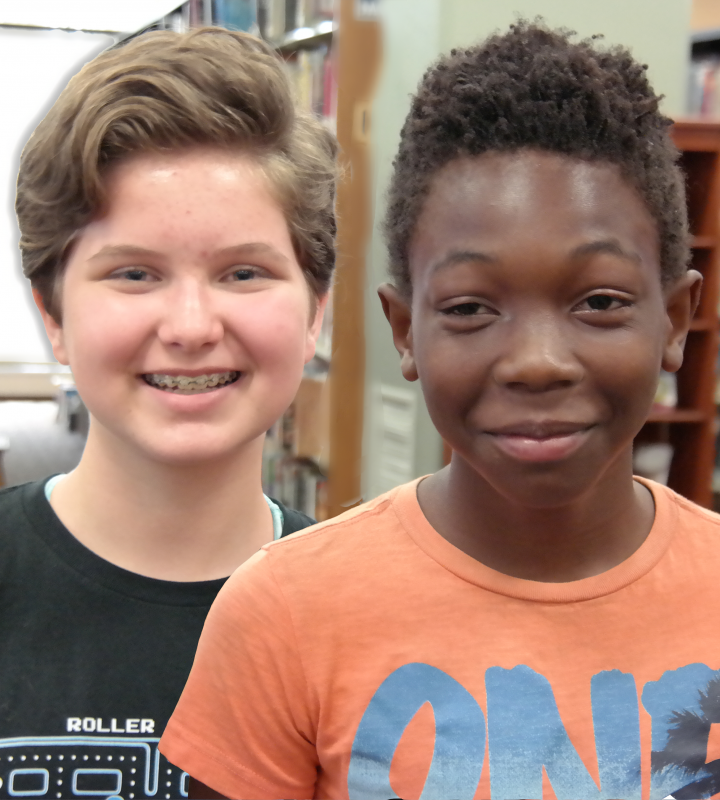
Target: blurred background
x=357, y=428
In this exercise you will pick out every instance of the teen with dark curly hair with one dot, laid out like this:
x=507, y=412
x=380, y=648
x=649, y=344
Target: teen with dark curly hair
x=531, y=621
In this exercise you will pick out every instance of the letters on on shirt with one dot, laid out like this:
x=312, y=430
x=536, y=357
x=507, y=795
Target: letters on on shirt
x=525, y=735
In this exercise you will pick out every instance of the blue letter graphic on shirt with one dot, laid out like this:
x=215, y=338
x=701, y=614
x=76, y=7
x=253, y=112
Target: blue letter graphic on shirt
x=683, y=705
x=525, y=734
x=459, y=735
x=616, y=720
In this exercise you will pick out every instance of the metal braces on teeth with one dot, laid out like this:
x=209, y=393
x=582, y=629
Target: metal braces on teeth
x=186, y=383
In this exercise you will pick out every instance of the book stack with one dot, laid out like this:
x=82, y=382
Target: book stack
x=312, y=73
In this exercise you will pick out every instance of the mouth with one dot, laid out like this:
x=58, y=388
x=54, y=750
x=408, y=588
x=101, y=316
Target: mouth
x=541, y=441
x=541, y=429
x=190, y=384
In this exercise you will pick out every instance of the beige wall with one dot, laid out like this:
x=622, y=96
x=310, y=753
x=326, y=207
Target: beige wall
x=705, y=15
x=415, y=32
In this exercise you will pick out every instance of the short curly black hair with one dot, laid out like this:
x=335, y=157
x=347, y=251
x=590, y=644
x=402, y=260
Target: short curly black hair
x=533, y=87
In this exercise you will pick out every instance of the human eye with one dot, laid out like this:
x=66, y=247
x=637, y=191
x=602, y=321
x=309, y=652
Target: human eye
x=467, y=314
x=132, y=275
x=468, y=308
x=603, y=302
x=239, y=274
x=463, y=310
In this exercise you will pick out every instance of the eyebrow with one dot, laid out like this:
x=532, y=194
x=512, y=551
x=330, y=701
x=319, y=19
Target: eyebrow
x=249, y=249
x=237, y=250
x=605, y=246
x=122, y=250
x=458, y=257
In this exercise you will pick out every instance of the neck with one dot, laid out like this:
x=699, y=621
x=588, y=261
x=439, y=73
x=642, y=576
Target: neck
x=173, y=522
x=589, y=536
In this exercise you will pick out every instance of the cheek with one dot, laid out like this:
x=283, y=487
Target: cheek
x=451, y=378
x=274, y=328
x=452, y=367
x=100, y=335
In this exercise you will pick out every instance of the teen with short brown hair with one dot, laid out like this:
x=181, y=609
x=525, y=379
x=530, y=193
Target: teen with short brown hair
x=177, y=225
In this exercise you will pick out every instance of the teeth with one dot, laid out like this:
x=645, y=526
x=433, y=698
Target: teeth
x=186, y=384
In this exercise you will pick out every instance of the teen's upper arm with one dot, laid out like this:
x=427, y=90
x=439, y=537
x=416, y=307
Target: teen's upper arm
x=242, y=725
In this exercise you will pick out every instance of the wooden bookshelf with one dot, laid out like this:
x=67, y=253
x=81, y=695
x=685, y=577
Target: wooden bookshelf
x=358, y=63
x=327, y=417
x=690, y=428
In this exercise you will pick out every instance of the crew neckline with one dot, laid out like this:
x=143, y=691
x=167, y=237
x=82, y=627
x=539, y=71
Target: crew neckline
x=46, y=525
x=278, y=517
x=410, y=514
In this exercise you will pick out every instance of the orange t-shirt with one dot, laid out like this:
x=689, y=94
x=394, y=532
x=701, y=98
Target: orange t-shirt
x=369, y=658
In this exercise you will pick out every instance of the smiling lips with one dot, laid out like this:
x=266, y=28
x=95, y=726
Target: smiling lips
x=190, y=384
x=540, y=442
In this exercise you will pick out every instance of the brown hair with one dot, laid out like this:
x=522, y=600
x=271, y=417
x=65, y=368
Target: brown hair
x=168, y=91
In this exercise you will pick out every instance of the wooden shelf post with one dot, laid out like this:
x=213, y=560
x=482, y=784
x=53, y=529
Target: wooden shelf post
x=690, y=428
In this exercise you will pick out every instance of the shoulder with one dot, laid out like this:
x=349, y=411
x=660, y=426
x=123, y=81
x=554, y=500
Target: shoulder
x=22, y=511
x=358, y=540
x=16, y=500
x=372, y=518
x=673, y=508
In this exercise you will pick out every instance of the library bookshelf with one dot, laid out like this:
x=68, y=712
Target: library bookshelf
x=333, y=65
x=690, y=427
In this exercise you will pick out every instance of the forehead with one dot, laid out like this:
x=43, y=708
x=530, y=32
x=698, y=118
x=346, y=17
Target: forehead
x=215, y=172
x=189, y=201
x=525, y=202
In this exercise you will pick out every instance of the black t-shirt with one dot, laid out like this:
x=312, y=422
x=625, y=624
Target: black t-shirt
x=93, y=659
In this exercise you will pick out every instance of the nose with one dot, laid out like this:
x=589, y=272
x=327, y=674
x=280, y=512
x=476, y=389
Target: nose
x=190, y=318
x=538, y=356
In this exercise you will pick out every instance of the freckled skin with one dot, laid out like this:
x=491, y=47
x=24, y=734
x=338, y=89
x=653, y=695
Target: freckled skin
x=537, y=301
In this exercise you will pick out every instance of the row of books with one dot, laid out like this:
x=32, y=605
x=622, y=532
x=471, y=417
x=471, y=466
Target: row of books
x=312, y=71
x=313, y=75
x=296, y=452
x=233, y=14
x=704, y=88
x=272, y=19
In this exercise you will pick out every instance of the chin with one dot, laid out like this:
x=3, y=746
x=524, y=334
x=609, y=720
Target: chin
x=546, y=497
x=191, y=451
x=550, y=490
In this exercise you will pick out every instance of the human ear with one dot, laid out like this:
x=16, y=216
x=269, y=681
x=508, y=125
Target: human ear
x=319, y=306
x=681, y=300
x=53, y=329
x=398, y=313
